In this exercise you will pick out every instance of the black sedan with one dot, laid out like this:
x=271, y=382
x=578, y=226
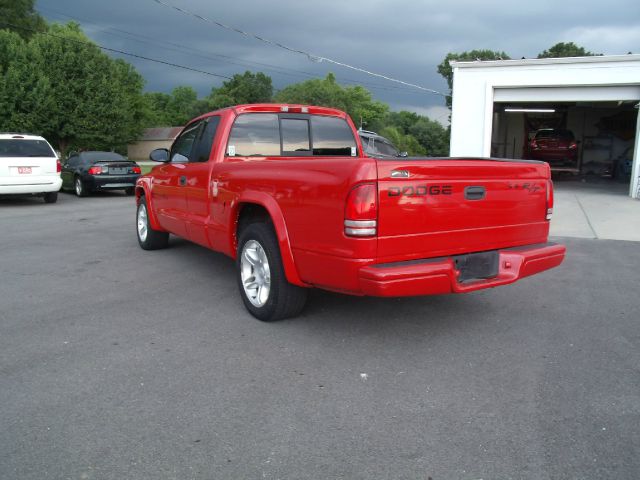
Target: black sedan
x=88, y=172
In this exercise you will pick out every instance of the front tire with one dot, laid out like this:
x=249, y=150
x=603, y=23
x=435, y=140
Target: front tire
x=263, y=286
x=148, y=238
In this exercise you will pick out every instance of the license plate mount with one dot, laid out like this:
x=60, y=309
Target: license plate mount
x=25, y=170
x=477, y=266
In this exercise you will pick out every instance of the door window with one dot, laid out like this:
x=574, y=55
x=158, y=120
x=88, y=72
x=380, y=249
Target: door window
x=202, y=150
x=73, y=161
x=183, y=146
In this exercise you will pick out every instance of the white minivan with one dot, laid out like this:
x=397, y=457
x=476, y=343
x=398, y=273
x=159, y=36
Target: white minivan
x=28, y=165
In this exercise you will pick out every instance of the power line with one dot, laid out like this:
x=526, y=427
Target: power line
x=310, y=56
x=142, y=57
x=232, y=60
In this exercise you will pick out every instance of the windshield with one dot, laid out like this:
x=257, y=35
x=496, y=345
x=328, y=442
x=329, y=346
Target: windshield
x=25, y=148
x=564, y=134
x=384, y=147
x=379, y=146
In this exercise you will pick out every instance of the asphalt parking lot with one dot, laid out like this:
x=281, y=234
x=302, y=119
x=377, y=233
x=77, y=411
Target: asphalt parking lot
x=117, y=363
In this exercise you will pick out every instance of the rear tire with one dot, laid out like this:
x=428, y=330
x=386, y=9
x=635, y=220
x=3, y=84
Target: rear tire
x=148, y=238
x=263, y=286
x=51, y=197
x=79, y=187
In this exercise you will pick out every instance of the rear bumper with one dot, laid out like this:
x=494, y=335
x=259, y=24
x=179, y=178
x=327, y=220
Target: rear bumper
x=111, y=182
x=33, y=185
x=554, y=155
x=438, y=276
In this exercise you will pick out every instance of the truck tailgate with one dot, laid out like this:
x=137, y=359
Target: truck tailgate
x=435, y=207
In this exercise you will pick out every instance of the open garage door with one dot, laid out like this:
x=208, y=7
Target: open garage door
x=586, y=136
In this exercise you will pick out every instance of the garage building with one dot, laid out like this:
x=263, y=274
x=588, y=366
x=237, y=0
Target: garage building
x=580, y=114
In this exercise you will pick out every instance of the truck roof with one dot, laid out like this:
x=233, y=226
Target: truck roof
x=287, y=107
x=276, y=108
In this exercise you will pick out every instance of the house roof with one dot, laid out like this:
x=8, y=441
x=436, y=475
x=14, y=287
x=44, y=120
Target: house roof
x=162, y=133
x=545, y=61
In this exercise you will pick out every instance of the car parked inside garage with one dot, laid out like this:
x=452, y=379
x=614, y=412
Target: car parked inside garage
x=87, y=172
x=556, y=146
x=28, y=166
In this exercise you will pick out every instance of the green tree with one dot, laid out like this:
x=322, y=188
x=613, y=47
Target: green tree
x=242, y=88
x=403, y=142
x=446, y=71
x=25, y=89
x=356, y=100
x=21, y=17
x=568, y=49
x=156, y=107
x=175, y=109
x=62, y=86
x=181, y=105
x=432, y=136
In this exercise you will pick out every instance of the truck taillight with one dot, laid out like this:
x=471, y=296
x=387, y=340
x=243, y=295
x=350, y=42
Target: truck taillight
x=58, y=166
x=549, y=199
x=361, y=211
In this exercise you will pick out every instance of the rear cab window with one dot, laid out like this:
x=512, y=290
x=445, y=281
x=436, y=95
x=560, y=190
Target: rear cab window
x=272, y=134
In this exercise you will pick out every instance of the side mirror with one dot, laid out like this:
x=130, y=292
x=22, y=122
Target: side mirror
x=403, y=154
x=159, y=155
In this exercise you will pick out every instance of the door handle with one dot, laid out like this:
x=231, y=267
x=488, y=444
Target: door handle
x=474, y=193
x=183, y=180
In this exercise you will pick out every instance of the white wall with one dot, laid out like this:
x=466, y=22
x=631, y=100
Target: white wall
x=475, y=84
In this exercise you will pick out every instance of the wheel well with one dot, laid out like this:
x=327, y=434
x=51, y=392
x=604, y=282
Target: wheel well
x=251, y=213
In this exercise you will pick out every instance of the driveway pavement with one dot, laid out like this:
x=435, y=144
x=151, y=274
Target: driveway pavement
x=116, y=363
x=595, y=210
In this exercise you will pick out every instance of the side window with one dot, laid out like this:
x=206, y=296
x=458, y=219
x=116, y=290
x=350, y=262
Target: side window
x=182, y=147
x=295, y=136
x=73, y=161
x=202, y=150
x=255, y=134
x=332, y=136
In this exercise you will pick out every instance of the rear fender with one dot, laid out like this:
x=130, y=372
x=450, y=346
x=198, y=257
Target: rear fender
x=272, y=207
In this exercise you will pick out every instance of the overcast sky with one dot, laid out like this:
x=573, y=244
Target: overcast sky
x=401, y=39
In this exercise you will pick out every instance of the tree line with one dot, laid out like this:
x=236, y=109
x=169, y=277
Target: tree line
x=55, y=82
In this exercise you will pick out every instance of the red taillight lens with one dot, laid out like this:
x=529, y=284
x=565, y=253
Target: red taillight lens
x=361, y=211
x=549, y=199
x=58, y=166
x=534, y=144
x=136, y=170
x=573, y=145
x=95, y=170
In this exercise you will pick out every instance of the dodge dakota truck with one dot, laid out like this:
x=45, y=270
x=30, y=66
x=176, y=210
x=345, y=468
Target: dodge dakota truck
x=288, y=193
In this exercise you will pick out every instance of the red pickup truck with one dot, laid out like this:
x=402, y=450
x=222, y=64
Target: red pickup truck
x=287, y=191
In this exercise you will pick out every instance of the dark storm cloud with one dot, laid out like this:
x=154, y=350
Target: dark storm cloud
x=401, y=39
